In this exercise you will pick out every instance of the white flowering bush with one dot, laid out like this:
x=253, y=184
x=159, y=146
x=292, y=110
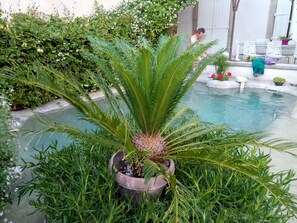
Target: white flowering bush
x=8, y=155
x=58, y=42
x=146, y=18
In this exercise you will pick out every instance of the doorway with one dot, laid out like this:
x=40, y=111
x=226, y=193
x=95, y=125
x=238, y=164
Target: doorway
x=213, y=16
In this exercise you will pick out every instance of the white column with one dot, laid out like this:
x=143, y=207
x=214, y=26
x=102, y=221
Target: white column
x=237, y=50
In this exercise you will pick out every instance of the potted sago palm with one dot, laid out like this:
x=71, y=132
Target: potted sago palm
x=148, y=127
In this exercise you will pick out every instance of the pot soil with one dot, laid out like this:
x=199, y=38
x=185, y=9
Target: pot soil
x=134, y=186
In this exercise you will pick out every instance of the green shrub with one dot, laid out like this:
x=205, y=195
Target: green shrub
x=146, y=18
x=221, y=64
x=279, y=80
x=57, y=42
x=8, y=154
x=73, y=185
x=222, y=196
x=53, y=41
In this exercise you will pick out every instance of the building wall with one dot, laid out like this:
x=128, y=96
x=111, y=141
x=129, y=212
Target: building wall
x=252, y=19
x=185, y=22
x=75, y=7
x=251, y=22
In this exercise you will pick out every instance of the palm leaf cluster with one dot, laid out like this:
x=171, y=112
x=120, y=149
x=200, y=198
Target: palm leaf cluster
x=151, y=81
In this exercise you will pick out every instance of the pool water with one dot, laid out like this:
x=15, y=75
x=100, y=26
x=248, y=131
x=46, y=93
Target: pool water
x=253, y=110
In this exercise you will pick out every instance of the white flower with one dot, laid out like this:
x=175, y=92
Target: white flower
x=39, y=50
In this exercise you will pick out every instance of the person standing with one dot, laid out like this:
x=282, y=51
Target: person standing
x=198, y=35
x=194, y=38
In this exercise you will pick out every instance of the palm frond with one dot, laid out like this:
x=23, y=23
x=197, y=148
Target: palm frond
x=126, y=77
x=69, y=88
x=179, y=207
x=153, y=79
x=52, y=125
x=176, y=116
x=150, y=169
x=222, y=159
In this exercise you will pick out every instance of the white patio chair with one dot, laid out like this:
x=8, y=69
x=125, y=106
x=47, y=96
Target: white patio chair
x=274, y=50
x=249, y=49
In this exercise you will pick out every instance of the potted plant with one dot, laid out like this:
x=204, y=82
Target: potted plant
x=221, y=65
x=249, y=58
x=285, y=39
x=279, y=81
x=152, y=130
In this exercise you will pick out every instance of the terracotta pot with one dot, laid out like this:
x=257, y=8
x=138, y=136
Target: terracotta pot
x=134, y=186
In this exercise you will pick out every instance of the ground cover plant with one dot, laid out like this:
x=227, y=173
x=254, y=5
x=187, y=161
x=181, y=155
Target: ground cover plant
x=213, y=194
x=8, y=155
x=151, y=81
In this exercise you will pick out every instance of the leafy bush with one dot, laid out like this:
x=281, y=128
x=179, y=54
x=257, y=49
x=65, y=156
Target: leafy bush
x=214, y=194
x=279, y=80
x=57, y=42
x=222, y=196
x=8, y=154
x=147, y=18
x=221, y=64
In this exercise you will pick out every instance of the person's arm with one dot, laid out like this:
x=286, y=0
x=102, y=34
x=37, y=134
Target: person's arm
x=193, y=39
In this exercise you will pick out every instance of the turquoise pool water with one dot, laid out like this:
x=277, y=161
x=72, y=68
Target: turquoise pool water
x=253, y=110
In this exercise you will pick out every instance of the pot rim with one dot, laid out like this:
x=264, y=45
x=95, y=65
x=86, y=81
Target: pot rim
x=137, y=183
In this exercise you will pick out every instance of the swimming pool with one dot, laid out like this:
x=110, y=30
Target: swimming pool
x=253, y=110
